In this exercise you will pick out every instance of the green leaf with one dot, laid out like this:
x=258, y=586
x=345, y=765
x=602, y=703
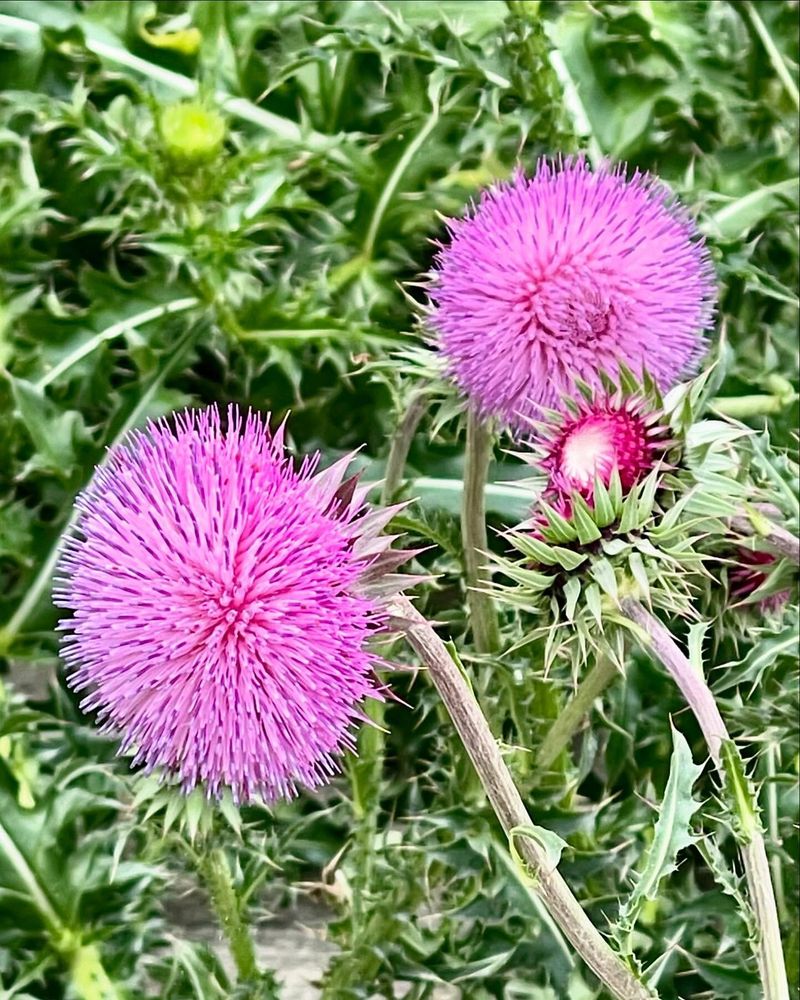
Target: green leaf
x=671, y=835
x=735, y=220
x=583, y=521
x=552, y=844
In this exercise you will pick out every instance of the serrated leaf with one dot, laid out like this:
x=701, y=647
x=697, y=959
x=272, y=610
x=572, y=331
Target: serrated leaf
x=671, y=835
x=740, y=796
x=552, y=844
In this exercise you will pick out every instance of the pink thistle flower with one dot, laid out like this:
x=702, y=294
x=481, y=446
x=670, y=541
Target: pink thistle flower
x=751, y=572
x=606, y=434
x=223, y=604
x=569, y=273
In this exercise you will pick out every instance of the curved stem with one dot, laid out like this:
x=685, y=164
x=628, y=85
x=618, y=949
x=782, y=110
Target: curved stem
x=400, y=446
x=473, y=534
x=215, y=872
x=563, y=729
x=775, y=57
x=396, y=176
x=113, y=331
x=731, y=768
x=485, y=755
x=755, y=524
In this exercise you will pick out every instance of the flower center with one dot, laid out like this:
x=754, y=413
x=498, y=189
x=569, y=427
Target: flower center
x=589, y=451
x=596, y=444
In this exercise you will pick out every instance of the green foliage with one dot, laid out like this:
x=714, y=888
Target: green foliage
x=203, y=202
x=671, y=835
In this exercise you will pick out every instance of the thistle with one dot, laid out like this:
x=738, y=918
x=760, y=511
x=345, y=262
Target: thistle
x=224, y=601
x=627, y=510
x=564, y=274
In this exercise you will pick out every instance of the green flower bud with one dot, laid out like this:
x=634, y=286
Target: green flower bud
x=191, y=133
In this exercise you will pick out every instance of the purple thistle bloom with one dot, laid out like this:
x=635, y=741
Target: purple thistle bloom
x=223, y=604
x=569, y=273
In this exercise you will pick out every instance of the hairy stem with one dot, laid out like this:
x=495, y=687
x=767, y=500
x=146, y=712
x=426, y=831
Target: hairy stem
x=753, y=851
x=564, y=728
x=484, y=752
x=400, y=446
x=214, y=870
x=483, y=617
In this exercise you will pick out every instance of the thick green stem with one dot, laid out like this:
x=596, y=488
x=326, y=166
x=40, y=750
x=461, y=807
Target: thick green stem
x=563, y=729
x=507, y=803
x=400, y=446
x=89, y=978
x=216, y=874
x=756, y=405
x=698, y=695
x=483, y=617
x=774, y=832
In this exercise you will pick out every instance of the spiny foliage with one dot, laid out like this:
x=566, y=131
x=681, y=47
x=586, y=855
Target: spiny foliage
x=273, y=263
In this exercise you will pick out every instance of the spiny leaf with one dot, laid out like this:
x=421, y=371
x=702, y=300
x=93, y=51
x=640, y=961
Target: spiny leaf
x=671, y=835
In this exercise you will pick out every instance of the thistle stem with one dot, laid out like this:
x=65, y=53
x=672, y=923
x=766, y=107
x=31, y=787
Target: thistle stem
x=755, y=405
x=755, y=524
x=215, y=872
x=769, y=953
x=88, y=976
x=400, y=446
x=563, y=729
x=473, y=534
x=484, y=752
x=366, y=771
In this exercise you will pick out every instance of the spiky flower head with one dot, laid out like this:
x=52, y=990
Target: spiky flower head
x=604, y=434
x=567, y=273
x=224, y=599
x=619, y=513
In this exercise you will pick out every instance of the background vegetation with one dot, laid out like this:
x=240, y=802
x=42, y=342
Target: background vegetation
x=144, y=268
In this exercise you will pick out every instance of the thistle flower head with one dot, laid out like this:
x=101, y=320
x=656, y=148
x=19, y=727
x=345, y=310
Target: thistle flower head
x=223, y=603
x=565, y=274
x=749, y=574
x=607, y=434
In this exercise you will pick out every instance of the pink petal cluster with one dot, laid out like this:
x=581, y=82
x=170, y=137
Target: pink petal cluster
x=606, y=435
x=567, y=273
x=223, y=604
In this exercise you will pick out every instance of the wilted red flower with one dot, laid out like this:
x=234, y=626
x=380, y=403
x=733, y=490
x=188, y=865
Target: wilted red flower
x=751, y=572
